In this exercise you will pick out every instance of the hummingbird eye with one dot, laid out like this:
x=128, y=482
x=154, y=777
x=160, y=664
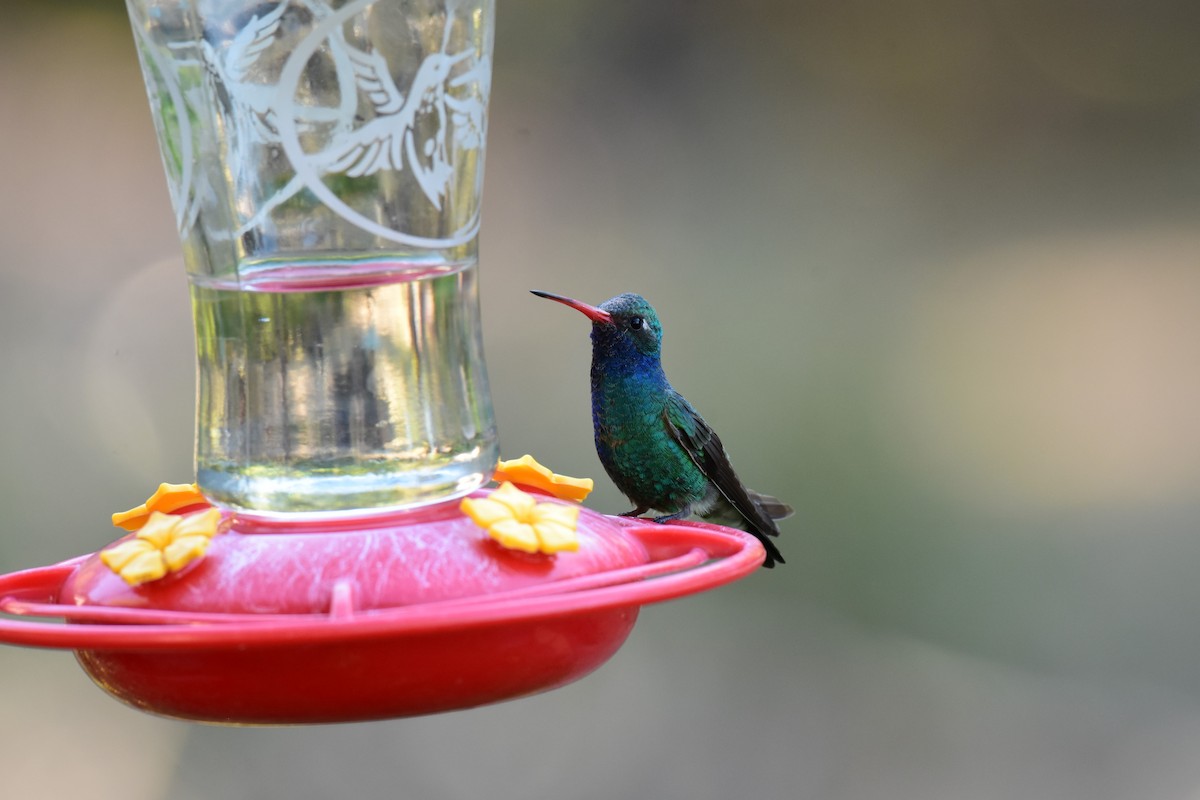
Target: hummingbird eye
x=635, y=323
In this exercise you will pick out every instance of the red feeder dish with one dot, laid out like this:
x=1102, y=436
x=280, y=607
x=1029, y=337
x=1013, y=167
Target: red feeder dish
x=401, y=616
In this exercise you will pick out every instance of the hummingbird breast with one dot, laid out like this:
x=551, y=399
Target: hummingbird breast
x=635, y=447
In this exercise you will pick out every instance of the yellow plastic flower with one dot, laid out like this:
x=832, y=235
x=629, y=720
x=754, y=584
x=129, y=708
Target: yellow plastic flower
x=166, y=543
x=519, y=522
x=526, y=471
x=167, y=498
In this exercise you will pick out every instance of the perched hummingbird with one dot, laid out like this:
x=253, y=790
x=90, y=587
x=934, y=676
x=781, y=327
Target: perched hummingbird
x=658, y=451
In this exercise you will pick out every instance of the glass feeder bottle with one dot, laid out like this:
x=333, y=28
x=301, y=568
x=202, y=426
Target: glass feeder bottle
x=325, y=164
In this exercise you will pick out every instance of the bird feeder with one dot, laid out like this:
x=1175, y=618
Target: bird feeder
x=352, y=547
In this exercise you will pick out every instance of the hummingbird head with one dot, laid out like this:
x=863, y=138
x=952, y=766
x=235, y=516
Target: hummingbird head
x=622, y=326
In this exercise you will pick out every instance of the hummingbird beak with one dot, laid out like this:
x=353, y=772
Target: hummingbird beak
x=591, y=312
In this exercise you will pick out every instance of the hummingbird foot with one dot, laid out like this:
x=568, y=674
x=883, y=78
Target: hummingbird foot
x=672, y=517
x=637, y=512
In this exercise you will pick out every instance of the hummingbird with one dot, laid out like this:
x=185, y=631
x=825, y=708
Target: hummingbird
x=654, y=445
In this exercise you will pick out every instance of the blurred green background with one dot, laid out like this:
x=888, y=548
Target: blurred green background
x=932, y=269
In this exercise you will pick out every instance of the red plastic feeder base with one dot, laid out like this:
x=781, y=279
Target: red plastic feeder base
x=415, y=614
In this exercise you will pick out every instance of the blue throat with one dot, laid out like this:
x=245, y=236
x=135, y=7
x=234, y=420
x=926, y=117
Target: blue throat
x=621, y=373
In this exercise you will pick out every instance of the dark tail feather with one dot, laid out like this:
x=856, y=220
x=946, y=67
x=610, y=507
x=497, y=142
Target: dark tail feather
x=722, y=513
x=773, y=555
x=773, y=507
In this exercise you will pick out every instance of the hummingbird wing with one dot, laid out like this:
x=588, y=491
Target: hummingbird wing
x=373, y=77
x=704, y=448
x=251, y=41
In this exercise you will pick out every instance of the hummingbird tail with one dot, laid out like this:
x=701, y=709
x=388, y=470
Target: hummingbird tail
x=724, y=513
x=773, y=507
x=773, y=555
